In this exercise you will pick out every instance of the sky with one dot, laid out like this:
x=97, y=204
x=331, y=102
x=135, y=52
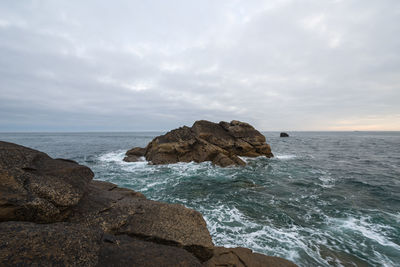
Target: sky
x=98, y=65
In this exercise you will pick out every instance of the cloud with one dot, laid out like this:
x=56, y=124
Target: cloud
x=140, y=65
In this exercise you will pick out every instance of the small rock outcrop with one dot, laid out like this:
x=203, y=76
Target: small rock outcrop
x=135, y=154
x=284, y=134
x=53, y=214
x=221, y=143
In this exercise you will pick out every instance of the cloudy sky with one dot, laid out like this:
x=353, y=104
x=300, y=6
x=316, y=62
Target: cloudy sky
x=156, y=65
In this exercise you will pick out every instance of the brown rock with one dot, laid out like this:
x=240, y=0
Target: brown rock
x=125, y=251
x=35, y=187
x=222, y=144
x=135, y=154
x=243, y=257
x=57, y=244
x=123, y=211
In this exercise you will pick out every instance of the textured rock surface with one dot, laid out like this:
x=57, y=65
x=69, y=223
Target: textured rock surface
x=56, y=244
x=222, y=144
x=102, y=224
x=125, y=251
x=35, y=187
x=123, y=211
x=243, y=257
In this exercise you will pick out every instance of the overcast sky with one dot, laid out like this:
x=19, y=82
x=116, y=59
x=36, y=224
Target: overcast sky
x=156, y=65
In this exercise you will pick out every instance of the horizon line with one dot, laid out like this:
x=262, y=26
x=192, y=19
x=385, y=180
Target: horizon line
x=144, y=131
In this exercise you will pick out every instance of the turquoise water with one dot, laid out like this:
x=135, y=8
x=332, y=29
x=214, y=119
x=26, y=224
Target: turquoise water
x=327, y=198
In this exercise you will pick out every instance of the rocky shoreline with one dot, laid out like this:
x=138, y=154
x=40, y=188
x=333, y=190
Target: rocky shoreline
x=221, y=143
x=52, y=213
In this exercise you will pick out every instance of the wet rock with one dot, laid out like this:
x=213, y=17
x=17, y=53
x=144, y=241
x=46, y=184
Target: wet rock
x=284, y=135
x=222, y=144
x=243, y=257
x=35, y=187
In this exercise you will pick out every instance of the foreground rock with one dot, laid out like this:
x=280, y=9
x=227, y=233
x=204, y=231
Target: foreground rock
x=122, y=211
x=221, y=143
x=37, y=188
x=94, y=223
x=243, y=257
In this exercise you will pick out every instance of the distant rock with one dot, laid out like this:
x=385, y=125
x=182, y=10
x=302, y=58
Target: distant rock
x=221, y=143
x=284, y=134
x=53, y=214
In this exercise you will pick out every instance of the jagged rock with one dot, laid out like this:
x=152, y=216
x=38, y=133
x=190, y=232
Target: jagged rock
x=125, y=251
x=243, y=257
x=135, y=154
x=222, y=144
x=123, y=211
x=56, y=244
x=284, y=135
x=35, y=187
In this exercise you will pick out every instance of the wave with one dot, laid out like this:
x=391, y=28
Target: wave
x=113, y=157
x=372, y=231
x=285, y=157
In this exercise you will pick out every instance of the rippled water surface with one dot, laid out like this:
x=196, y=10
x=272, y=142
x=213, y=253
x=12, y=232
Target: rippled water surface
x=327, y=198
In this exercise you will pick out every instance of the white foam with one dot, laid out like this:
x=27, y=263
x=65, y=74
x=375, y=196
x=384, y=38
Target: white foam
x=327, y=181
x=369, y=230
x=285, y=157
x=114, y=156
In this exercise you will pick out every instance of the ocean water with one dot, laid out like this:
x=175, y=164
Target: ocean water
x=326, y=199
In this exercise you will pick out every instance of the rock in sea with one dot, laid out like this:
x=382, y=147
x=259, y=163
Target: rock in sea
x=53, y=214
x=221, y=143
x=284, y=134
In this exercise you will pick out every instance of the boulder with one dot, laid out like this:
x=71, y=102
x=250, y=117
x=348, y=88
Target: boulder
x=123, y=211
x=221, y=143
x=284, y=135
x=123, y=250
x=37, y=188
x=68, y=244
x=243, y=257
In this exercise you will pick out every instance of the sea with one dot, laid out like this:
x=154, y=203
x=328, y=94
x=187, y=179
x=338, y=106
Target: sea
x=325, y=199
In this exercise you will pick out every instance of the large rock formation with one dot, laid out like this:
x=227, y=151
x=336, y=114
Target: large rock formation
x=52, y=213
x=221, y=143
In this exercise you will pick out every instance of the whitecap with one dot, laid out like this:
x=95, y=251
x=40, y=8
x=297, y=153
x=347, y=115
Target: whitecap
x=114, y=156
x=369, y=230
x=285, y=157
